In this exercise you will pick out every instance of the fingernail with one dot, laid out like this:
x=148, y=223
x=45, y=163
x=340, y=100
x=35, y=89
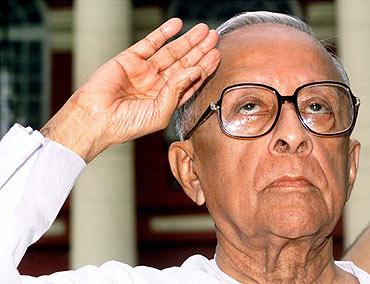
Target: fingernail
x=214, y=31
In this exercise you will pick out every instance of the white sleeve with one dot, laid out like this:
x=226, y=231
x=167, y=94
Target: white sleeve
x=36, y=176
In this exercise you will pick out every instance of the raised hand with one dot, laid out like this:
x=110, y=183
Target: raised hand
x=136, y=92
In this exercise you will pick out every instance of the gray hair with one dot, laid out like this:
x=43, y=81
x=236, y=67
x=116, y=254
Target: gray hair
x=184, y=116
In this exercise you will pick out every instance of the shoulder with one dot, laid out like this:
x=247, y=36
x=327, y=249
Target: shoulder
x=207, y=267
x=196, y=269
x=350, y=267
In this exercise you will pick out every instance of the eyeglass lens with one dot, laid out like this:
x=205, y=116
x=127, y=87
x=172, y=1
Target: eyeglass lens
x=249, y=110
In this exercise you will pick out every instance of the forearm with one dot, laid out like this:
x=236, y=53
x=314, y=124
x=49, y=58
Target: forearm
x=37, y=177
x=359, y=252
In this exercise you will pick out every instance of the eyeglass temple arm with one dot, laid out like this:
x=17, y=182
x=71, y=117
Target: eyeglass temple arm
x=358, y=102
x=357, y=107
x=207, y=113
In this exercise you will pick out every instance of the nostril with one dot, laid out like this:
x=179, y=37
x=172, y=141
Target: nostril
x=302, y=147
x=281, y=146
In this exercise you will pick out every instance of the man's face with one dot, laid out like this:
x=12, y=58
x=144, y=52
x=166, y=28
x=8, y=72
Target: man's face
x=288, y=182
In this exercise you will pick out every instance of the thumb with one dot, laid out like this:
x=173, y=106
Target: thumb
x=171, y=93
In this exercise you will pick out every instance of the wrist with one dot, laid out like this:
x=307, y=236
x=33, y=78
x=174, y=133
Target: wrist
x=71, y=128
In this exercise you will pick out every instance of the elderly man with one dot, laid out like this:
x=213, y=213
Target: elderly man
x=264, y=143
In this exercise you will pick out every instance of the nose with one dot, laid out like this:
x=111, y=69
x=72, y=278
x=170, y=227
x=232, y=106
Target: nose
x=289, y=136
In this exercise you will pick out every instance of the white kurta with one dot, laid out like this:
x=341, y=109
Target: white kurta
x=36, y=176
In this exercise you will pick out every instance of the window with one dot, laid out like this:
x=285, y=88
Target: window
x=24, y=64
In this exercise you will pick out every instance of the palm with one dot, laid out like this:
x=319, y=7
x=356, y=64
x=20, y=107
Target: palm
x=138, y=90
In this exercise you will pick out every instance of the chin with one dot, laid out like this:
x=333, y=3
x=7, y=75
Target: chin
x=294, y=229
x=295, y=224
x=295, y=215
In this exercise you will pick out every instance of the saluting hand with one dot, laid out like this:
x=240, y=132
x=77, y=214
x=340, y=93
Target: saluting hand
x=136, y=92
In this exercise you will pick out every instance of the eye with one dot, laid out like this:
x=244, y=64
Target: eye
x=316, y=108
x=250, y=108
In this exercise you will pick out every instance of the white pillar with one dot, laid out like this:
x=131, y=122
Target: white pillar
x=103, y=202
x=354, y=49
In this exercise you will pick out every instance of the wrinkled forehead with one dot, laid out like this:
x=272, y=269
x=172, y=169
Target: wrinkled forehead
x=273, y=54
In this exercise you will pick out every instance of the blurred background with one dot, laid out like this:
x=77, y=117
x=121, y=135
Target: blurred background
x=127, y=206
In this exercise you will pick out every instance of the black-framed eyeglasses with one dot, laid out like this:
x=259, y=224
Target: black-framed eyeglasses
x=250, y=110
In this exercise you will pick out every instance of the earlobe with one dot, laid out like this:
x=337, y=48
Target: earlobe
x=354, y=157
x=180, y=156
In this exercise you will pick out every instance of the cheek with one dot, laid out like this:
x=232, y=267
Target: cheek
x=333, y=161
x=227, y=170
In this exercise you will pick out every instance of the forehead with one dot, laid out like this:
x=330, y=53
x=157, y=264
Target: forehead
x=273, y=54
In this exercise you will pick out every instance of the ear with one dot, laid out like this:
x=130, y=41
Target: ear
x=354, y=158
x=180, y=156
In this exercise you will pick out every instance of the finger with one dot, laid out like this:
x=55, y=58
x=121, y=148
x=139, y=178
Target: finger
x=186, y=82
x=208, y=65
x=168, y=97
x=175, y=50
x=152, y=42
x=132, y=66
x=195, y=55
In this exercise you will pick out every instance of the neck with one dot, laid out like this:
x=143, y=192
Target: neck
x=278, y=260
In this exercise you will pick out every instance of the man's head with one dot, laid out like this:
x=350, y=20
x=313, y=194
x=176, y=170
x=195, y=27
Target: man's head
x=288, y=182
x=185, y=116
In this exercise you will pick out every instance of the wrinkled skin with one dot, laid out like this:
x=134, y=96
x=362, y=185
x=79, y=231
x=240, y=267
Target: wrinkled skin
x=136, y=92
x=275, y=199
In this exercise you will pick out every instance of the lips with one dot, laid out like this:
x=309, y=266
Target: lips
x=291, y=182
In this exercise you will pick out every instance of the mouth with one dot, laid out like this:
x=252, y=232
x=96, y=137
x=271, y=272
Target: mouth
x=288, y=182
